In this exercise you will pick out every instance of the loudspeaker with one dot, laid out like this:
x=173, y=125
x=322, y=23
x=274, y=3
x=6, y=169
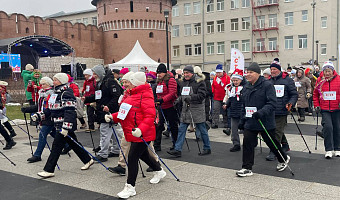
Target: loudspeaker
x=5, y=71
x=66, y=69
x=80, y=69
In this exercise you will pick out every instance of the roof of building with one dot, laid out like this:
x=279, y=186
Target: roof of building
x=62, y=13
x=94, y=2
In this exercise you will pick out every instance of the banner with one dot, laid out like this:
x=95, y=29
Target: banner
x=237, y=60
x=14, y=61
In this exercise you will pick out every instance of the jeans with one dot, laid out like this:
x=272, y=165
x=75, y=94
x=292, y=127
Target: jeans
x=331, y=130
x=182, y=132
x=171, y=116
x=45, y=130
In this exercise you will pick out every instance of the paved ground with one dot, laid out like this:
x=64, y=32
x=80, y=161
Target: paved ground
x=210, y=177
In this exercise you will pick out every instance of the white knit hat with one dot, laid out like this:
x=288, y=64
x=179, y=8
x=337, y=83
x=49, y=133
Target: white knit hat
x=138, y=78
x=3, y=83
x=127, y=76
x=29, y=67
x=267, y=71
x=197, y=70
x=88, y=72
x=62, y=77
x=46, y=80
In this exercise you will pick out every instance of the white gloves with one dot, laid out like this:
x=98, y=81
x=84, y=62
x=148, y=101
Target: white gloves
x=137, y=132
x=64, y=132
x=93, y=104
x=34, y=117
x=308, y=95
x=108, y=118
x=0, y=111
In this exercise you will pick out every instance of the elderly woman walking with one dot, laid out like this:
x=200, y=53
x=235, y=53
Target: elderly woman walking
x=303, y=86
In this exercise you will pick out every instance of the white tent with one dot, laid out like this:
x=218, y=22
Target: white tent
x=136, y=60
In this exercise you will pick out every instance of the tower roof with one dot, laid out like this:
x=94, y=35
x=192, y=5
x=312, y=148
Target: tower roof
x=94, y=2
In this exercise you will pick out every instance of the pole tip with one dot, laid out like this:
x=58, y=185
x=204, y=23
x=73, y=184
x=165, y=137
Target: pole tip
x=178, y=180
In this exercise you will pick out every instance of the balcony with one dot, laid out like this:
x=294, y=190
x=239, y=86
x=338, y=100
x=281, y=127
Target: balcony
x=262, y=49
x=265, y=3
x=273, y=26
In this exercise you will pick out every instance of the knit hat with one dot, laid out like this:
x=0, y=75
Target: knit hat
x=88, y=72
x=46, y=80
x=116, y=71
x=100, y=71
x=70, y=78
x=276, y=64
x=212, y=73
x=254, y=67
x=179, y=71
x=124, y=71
x=328, y=65
x=307, y=71
x=197, y=70
x=237, y=74
x=294, y=71
x=29, y=67
x=127, y=76
x=62, y=77
x=188, y=68
x=161, y=69
x=3, y=83
x=219, y=68
x=137, y=78
x=151, y=75
x=267, y=71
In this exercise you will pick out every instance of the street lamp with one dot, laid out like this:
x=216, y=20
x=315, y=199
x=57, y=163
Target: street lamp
x=166, y=15
x=313, y=6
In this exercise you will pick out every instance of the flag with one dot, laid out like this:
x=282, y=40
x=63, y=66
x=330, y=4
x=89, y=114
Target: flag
x=237, y=60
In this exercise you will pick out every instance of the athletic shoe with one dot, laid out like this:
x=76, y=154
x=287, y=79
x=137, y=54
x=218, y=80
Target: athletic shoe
x=111, y=155
x=158, y=175
x=244, y=173
x=9, y=145
x=214, y=126
x=175, y=153
x=235, y=148
x=83, y=126
x=282, y=166
x=227, y=131
x=329, y=154
x=34, y=159
x=337, y=153
x=205, y=152
x=87, y=165
x=101, y=159
x=271, y=156
x=118, y=170
x=44, y=174
x=127, y=192
x=166, y=133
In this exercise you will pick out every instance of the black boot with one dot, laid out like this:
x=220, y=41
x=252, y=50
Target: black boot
x=9, y=145
x=12, y=133
x=227, y=131
x=34, y=159
x=205, y=152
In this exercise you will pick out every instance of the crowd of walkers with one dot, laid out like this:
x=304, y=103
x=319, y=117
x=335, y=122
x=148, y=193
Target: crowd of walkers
x=134, y=110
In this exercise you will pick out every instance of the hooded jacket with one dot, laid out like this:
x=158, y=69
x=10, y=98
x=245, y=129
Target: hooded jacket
x=26, y=76
x=303, y=86
x=218, y=86
x=89, y=87
x=169, y=93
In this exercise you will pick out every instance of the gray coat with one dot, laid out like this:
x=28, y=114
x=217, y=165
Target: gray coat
x=305, y=88
x=194, y=111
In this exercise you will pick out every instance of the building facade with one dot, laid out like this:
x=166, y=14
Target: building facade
x=87, y=17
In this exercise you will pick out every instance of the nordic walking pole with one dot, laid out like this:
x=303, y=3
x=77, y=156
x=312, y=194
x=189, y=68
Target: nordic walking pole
x=95, y=153
x=193, y=125
x=28, y=132
x=2, y=142
x=300, y=132
x=291, y=171
x=8, y=158
x=49, y=148
x=20, y=126
x=117, y=139
x=260, y=143
x=140, y=165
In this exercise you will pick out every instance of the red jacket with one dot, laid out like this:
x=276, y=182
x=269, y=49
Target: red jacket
x=75, y=89
x=169, y=94
x=218, y=88
x=141, y=115
x=324, y=86
x=89, y=87
x=35, y=94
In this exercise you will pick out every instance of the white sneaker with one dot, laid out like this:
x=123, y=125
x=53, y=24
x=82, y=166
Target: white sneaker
x=44, y=174
x=282, y=166
x=87, y=165
x=329, y=154
x=244, y=172
x=127, y=192
x=158, y=175
x=337, y=153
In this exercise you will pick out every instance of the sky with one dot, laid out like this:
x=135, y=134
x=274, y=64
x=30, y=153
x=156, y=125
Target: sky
x=43, y=7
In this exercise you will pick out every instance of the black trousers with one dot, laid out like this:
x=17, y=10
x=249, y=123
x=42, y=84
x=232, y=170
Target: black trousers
x=8, y=126
x=90, y=116
x=139, y=150
x=172, y=117
x=250, y=142
x=4, y=133
x=57, y=147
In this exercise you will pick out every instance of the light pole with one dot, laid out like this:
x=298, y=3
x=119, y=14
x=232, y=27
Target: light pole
x=166, y=15
x=317, y=52
x=313, y=6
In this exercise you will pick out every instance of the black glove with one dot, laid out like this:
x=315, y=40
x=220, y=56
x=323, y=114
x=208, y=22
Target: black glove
x=317, y=109
x=159, y=101
x=256, y=115
x=187, y=99
x=241, y=125
x=23, y=110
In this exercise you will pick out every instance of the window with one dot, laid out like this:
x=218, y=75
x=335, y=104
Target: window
x=234, y=24
x=245, y=23
x=304, y=14
x=151, y=35
x=289, y=0
x=175, y=11
x=86, y=21
x=197, y=7
x=260, y=21
x=187, y=9
x=289, y=18
x=131, y=6
x=272, y=44
x=261, y=2
x=302, y=41
x=187, y=29
x=234, y=44
x=288, y=42
x=175, y=31
x=210, y=48
x=323, y=22
x=160, y=7
x=220, y=5
x=175, y=51
x=78, y=20
x=272, y=20
x=245, y=45
x=197, y=29
x=210, y=27
x=220, y=26
x=115, y=35
x=260, y=44
x=197, y=49
x=27, y=30
x=94, y=21
x=323, y=49
x=234, y=4
x=210, y=6
x=245, y=3
x=188, y=50
x=273, y=1
x=220, y=47
x=104, y=7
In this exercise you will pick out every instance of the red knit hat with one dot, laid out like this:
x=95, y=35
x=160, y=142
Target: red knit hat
x=237, y=74
x=124, y=71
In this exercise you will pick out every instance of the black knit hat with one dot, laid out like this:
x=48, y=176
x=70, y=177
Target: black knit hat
x=254, y=67
x=161, y=68
x=116, y=71
x=188, y=68
x=276, y=64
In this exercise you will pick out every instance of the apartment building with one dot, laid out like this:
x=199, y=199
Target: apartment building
x=204, y=31
x=85, y=16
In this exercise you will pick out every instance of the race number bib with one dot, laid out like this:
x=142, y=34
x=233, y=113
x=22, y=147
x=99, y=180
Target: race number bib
x=123, y=111
x=280, y=90
x=297, y=84
x=331, y=95
x=98, y=94
x=250, y=111
x=87, y=88
x=159, y=89
x=185, y=91
x=52, y=99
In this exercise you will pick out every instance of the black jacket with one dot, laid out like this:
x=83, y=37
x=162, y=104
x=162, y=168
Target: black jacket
x=234, y=104
x=262, y=96
x=153, y=85
x=290, y=93
x=209, y=94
